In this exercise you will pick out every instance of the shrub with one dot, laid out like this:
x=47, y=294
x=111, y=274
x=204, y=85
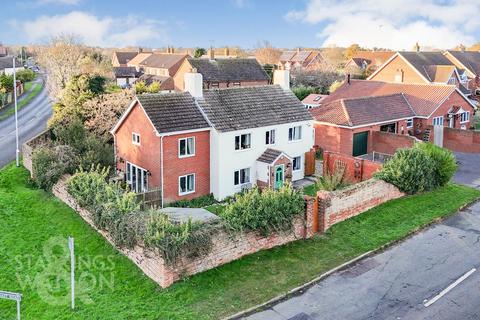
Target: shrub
x=154, y=87
x=25, y=75
x=49, y=164
x=268, y=211
x=332, y=181
x=140, y=87
x=302, y=92
x=410, y=170
x=199, y=202
x=444, y=162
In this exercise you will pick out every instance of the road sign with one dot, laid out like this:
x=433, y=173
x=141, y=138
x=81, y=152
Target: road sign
x=12, y=296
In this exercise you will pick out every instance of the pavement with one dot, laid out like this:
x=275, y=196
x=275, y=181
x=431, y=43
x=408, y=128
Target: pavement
x=399, y=282
x=184, y=214
x=32, y=119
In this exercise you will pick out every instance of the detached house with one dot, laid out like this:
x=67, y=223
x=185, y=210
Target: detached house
x=347, y=118
x=161, y=68
x=223, y=73
x=468, y=62
x=121, y=58
x=301, y=59
x=365, y=62
x=217, y=141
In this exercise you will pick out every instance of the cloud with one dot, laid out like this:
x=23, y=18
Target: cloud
x=95, y=31
x=395, y=24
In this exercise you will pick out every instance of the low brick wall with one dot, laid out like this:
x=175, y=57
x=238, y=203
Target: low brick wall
x=30, y=145
x=225, y=248
x=356, y=169
x=337, y=206
x=389, y=143
x=461, y=140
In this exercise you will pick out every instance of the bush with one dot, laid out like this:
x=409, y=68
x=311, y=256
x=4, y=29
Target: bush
x=49, y=164
x=268, y=211
x=25, y=75
x=444, y=162
x=332, y=181
x=410, y=170
x=199, y=202
x=140, y=87
x=302, y=92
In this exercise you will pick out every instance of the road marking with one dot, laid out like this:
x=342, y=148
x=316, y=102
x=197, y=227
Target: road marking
x=428, y=303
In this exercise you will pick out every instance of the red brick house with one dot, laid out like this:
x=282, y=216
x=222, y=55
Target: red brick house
x=301, y=59
x=360, y=107
x=366, y=62
x=121, y=58
x=468, y=64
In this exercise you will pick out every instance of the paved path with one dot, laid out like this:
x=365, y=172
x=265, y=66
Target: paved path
x=395, y=284
x=32, y=120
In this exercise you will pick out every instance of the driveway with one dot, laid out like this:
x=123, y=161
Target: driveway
x=468, y=172
x=32, y=120
x=399, y=282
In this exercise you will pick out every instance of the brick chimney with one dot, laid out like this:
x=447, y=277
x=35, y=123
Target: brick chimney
x=227, y=52
x=172, y=49
x=194, y=83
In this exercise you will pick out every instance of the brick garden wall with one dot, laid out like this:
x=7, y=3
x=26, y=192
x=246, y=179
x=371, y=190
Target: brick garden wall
x=388, y=143
x=225, y=248
x=356, y=169
x=461, y=140
x=30, y=145
x=337, y=206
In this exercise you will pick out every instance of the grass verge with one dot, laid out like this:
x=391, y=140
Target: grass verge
x=37, y=87
x=109, y=286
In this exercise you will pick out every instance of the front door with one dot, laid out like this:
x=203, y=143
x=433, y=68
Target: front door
x=278, y=177
x=360, y=143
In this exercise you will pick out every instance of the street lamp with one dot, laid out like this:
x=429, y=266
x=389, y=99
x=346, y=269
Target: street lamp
x=16, y=111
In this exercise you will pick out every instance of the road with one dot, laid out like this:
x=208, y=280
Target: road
x=32, y=119
x=397, y=283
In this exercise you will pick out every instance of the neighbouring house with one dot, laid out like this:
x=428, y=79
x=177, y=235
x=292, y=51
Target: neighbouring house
x=313, y=100
x=419, y=67
x=125, y=76
x=3, y=51
x=301, y=59
x=364, y=63
x=223, y=73
x=121, y=58
x=138, y=59
x=6, y=65
x=346, y=119
x=221, y=53
x=468, y=62
x=161, y=67
x=220, y=141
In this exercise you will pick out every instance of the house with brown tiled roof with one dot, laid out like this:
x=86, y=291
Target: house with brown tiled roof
x=300, y=59
x=468, y=62
x=365, y=62
x=347, y=118
x=121, y=58
x=138, y=59
x=313, y=100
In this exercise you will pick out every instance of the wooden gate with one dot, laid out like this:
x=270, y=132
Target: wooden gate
x=310, y=162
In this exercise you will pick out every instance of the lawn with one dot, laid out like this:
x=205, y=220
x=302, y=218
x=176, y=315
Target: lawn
x=37, y=87
x=311, y=190
x=112, y=287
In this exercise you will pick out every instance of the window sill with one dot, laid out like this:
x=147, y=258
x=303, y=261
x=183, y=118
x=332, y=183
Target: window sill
x=186, y=156
x=185, y=193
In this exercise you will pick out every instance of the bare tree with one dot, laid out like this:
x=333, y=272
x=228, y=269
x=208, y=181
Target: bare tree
x=266, y=54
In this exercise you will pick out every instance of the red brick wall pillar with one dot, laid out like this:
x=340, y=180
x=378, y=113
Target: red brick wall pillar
x=323, y=202
x=311, y=217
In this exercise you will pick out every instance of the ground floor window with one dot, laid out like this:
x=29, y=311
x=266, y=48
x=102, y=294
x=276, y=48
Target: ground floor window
x=391, y=127
x=438, y=121
x=409, y=123
x=136, y=178
x=241, y=176
x=297, y=163
x=186, y=184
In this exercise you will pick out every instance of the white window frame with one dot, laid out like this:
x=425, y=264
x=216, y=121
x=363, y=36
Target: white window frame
x=136, y=138
x=291, y=138
x=186, y=155
x=240, y=142
x=271, y=133
x=435, y=121
x=240, y=183
x=143, y=177
x=409, y=126
x=467, y=117
x=299, y=162
x=180, y=193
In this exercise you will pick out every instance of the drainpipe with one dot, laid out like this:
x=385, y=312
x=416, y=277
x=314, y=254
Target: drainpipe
x=161, y=166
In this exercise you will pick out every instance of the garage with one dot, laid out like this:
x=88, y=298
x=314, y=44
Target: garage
x=360, y=143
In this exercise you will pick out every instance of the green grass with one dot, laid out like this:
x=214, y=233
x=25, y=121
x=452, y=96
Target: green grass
x=29, y=217
x=37, y=87
x=311, y=190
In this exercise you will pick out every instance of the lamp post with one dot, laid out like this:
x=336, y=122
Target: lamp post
x=16, y=111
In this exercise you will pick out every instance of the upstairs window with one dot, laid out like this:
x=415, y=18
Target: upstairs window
x=243, y=141
x=270, y=137
x=135, y=138
x=295, y=133
x=465, y=117
x=186, y=147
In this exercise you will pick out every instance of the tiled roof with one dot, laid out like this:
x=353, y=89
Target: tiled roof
x=269, y=155
x=123, y=72
x=124, y=56
x=170, y=112
x=421, y=60
x=424, y=98
x=165, y=61
x=298, y=56
x=439, y=74
x=251, y=107
x=222, y=70
x=314, y=98
x=373, y=58
x=470, y=59
x=166, y=83
x=139, y=58
x=364, y=111
x=7, y=62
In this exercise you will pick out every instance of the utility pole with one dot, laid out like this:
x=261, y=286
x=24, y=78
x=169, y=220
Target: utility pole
x=17, y=151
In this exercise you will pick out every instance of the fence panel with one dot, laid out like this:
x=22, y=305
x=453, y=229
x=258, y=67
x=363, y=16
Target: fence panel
x=150, y=199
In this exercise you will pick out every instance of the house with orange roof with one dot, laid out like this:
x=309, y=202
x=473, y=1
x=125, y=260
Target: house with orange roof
x=366, y=62
x=300, y=59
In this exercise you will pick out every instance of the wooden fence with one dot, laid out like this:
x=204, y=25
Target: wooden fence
x=150, y=199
